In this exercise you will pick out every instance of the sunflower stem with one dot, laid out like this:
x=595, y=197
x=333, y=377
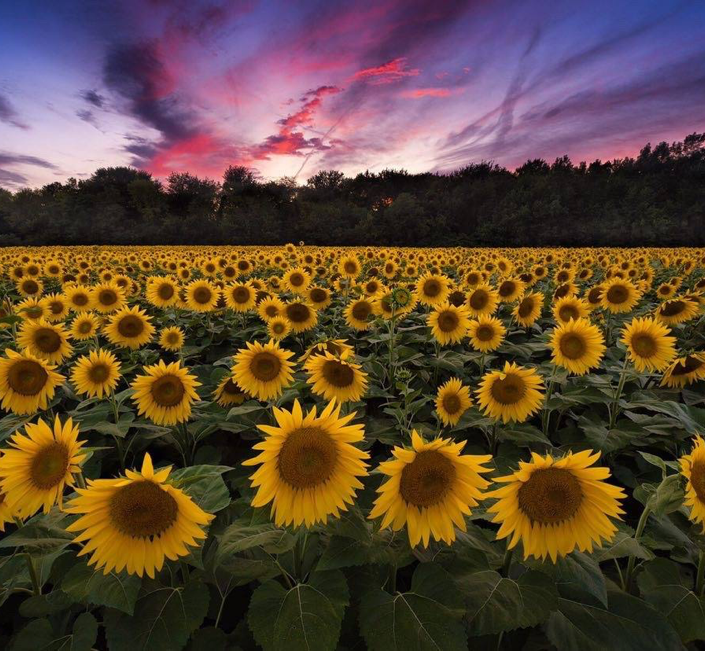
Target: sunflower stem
x=700, y=578
x=546, y=416
x=391, y=351
x=632, y=559
x=80, y=480
x=393, y=579
x=507, y=562
x=618, y=394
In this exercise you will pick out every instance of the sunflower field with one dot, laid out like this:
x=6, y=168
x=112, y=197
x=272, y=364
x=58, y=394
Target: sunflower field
x=309, y=448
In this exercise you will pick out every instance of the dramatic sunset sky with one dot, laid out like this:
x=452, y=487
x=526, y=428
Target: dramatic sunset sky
x=292, y=87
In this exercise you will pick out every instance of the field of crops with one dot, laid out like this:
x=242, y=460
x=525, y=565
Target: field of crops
x=314, y=448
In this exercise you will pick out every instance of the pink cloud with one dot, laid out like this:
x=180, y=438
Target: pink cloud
x=426, y=92
x=387, y=73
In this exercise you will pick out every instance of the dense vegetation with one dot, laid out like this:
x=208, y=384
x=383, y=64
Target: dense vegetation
x=656, y=198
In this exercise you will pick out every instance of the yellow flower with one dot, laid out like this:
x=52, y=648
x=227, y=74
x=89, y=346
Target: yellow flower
x=263, y=370
x=486, y=333
x=84, y=326
x=693, y=469
x=96, y=374
x=27, y=383
x=649, y=344
x=336, y=377
x=360, y=313
x=528, y=310
x=432, y=289
x=228, y=393
x=482, y=300
x=512, y=394
x=452, y=401
x=685, y=370
x=48, y=341
x=577, y=346
x=172, y=338
x=240, y=297
x=619, y=295
x=129, y=328
x=278, y=328
x=201, y=296
x=448, y=323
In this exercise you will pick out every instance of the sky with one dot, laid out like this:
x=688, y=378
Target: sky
x=289, y=88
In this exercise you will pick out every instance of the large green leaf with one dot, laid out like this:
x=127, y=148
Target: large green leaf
x=496, y=604
x=85, y=584
x=239, y=537
x=164, y=619
x=306, y=617
x=42, y=534
x=577, y=575
x=205, y=485
x=39, y=635
x=427, y=618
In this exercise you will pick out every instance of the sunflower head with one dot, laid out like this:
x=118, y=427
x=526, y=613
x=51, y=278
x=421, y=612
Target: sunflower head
x=336, y=377
x=27, y=383
x=263, y=370
x=448, y=323
x=577, y=346
x=512, y=394
x=486, y=333
x=693, y=469
x=96, y=374
x=452, y=401
x=649, y=344
x=129, y=328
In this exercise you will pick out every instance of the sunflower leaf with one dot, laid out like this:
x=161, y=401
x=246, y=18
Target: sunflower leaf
x=84, y=584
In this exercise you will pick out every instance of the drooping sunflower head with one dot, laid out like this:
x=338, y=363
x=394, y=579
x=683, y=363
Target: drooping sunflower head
x=336, y=377
x=134, y=522
x=512, y=394
x=309, y=467
x=129, y=327
x=96, y=374
x=38, y=465
x=649, y=344
x=263, y=370
x=48, y=341
x=166, y=393
x=577, y=346
x=452, y=401
x=693, y=469
x=486, y=333
x=510, y=290
x=676, y=311
x=228, y=393
x=432, y=289
x=553, y=506
x=319, y=297
x=448, y=323
x=685, y=370
x=528, y=310
x=27, y=383
x=431, y=488
x=171, y=338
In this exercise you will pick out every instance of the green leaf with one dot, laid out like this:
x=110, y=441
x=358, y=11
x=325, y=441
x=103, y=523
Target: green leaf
x=426, y=618
x=239, y=537
x=497, y=604
x=668, y=496
x=601, y=438
x=305, y=617
x=42, y=605
x=692, y=418
x=343, y=552
x=628, y=625
x=241, y=410
x=43, y=533
x=164, y=619
x=662, y=587
x=39, y=635
x=114, y=590
x=621, y=546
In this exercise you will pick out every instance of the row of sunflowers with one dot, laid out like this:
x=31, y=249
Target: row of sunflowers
x=318, y=448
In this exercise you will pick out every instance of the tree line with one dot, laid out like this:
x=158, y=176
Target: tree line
x=656, y=198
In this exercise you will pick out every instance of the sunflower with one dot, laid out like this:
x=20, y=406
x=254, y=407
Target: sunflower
x=300, y=315
x=510, y=290
x=528, y=309
x=263, y=370
x=229, y=393
x=30, y=287
x=448, y=323
x=308, y=465
x=432, y=289
x=278, y=328
x=137, y=521
x=319, y=297
x=336, y=347
x=665, y=291
x=685, y=370
x=270, y=308
x=431, y=488
x=593, y=297
x=162, y=291
x=336, y=378
x=693, y=469
x=201, y=296
x=57, y=307
x=130, y=327
x=349, y=267
x=676, y=311
x=619, y=295
x=79, y=298
x=512, y=394
x=171, y=339
x=649, y=344
x=84, y=326
x=96, y=374
x=452, y=401
x=486, y=333
x=48, y=341
x=31, y=309
x=360, y=314
x=297, y=280
x=240, y=297
x=38, y=466
x=107, y=297
x=27, y=383
x=165, y=394
x=482, y=300
x=570, y=307
x=577, y=346
x=553, y=506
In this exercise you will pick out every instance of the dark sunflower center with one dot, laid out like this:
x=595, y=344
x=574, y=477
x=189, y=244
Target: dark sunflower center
x=307, y=457
x=431, y=288
x=672, y=308
x=27, y=377
x=271, y=310
x=427, y=479
x=507, y=288
x=594, y=295
x=562, y=291
x=551, y=495
x=167, y=391
x=47, y=340
x=568, y=312
x=338, y=374
x=448, y=321
x=362, y=310
x=202, y=295
x=49, y=465
x=350, y=267
x=241, y=294
x=172, y=338
x=130, y=326
x=85, y=327
x=479, y=299
x=231, y=388
x=617, y=294
x=99, y=373
x=265, y=366
x=56, y=307
x=451, y=403
x=297, y=313
x=484, y=333
x=665, y=290
x=296, y=279
x=644, y=345
x=107, y=297
x=686, y=366
x=34, y=312
x=525, y=307
x=318, y=295
x=572, y=346
x=508, y=391
x=165, y=291
x=456, y=298
x=142, y=509
x=80, y=299
x=279, y=327
x=30, y=287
